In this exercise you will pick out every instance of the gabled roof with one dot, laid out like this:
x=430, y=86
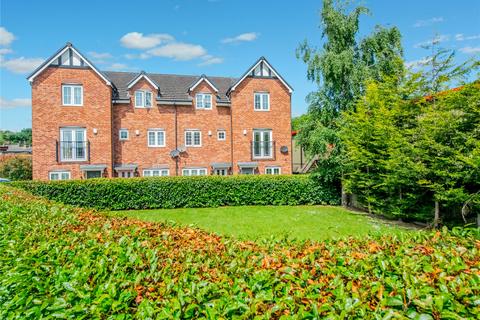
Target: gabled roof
x=172, y=86
x=144, y=76
x=57, y=54
x=199, y=80
x=246, y=74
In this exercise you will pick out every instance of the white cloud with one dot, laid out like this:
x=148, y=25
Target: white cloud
x=6, y=37
x=137, y=56
x=415, y=64
x=209, y=60
x=15, y=103
x=244, y=37
x=436, y=40
x=428, y=22
x=5, y=51
x=462, y=37
x=117, y=66
x=179, y=51
x=470, y=50
x=100, y=57
x=22, y=64
x=136, y=40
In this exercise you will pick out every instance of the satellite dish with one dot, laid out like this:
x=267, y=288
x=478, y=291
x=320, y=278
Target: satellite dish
x=284, y=149
x=181, y=148
x=174, y=153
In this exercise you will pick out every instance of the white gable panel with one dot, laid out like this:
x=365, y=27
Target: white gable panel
x=65, y=58
x=76, y=61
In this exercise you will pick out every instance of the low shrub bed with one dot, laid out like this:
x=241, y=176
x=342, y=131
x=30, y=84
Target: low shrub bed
x=185, y=192
x=58, y=261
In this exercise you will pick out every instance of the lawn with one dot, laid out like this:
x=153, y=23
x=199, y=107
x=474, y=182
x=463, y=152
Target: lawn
x=255, y=222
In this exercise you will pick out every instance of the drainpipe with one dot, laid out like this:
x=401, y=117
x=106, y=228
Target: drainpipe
x=176, y=139
x=231, y=136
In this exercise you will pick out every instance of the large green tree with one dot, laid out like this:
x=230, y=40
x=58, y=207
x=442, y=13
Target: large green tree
x=340, y=69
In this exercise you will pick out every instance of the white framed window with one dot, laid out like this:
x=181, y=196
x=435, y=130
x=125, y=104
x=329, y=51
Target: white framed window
x=203, y=101
x=59, y=175
x=261, y=101
x=156, y=173
x=73, y=144
x=123, y=134
x=194, y=172
x=92, y=174
x=72, y=95
x=156, y=138
x=143, y=99
x=221, y=135
x=273, y=170
x=262, y=145
x=247, y=170
x=193, y=138
x=126, y=174
x=221, y=172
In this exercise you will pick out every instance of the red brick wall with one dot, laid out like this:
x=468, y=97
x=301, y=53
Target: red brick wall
x=135, y=150
x=48, y=115
x=278, y=119
x=211, y=150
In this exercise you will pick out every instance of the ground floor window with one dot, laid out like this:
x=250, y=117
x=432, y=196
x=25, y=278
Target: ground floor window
x=156, y=172
x=221, y=172
x=247, y=170
x=195, y=172
x=126, y=174
x=273, y=170
x=59, y=175
x=90, y=174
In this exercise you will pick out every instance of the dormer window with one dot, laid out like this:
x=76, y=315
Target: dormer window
x=72, y=95
x=143, y=99
x=203, y=101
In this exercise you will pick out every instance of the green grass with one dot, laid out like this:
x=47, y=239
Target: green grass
x=258, y=222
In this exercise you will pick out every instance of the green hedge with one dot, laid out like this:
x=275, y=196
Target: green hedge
x=185, y=192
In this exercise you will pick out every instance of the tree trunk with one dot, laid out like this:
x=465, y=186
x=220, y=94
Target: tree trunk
x=436, y=218
x=344, y=197
x=478, y=220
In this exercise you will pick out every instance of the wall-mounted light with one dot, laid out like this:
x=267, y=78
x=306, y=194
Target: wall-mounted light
x=95, y=130
x=244, y=132
x=137, y=132
x=209, y=133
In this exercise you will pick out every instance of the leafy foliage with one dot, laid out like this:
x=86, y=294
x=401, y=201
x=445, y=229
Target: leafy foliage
x=23, y=137
x=62, y=262
x=406, y=151
x=185, y=192
x=340, y=70
x=16, y=168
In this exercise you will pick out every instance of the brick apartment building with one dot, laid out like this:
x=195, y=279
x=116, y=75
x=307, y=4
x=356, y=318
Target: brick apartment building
x=87, y=123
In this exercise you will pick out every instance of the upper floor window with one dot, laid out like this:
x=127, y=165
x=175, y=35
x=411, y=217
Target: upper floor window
x=203, y=101
x=261, y=101
x=262, y=145
x=156, y=138
x=143, y=99
x=72, y=95
x=73, y=144
x=193, y=138
x=59, y=175
x=123, y=134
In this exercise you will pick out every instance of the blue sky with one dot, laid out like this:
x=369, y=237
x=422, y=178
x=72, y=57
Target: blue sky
x=215, y=37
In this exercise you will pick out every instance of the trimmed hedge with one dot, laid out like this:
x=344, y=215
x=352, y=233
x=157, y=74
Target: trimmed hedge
x=185, y=192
